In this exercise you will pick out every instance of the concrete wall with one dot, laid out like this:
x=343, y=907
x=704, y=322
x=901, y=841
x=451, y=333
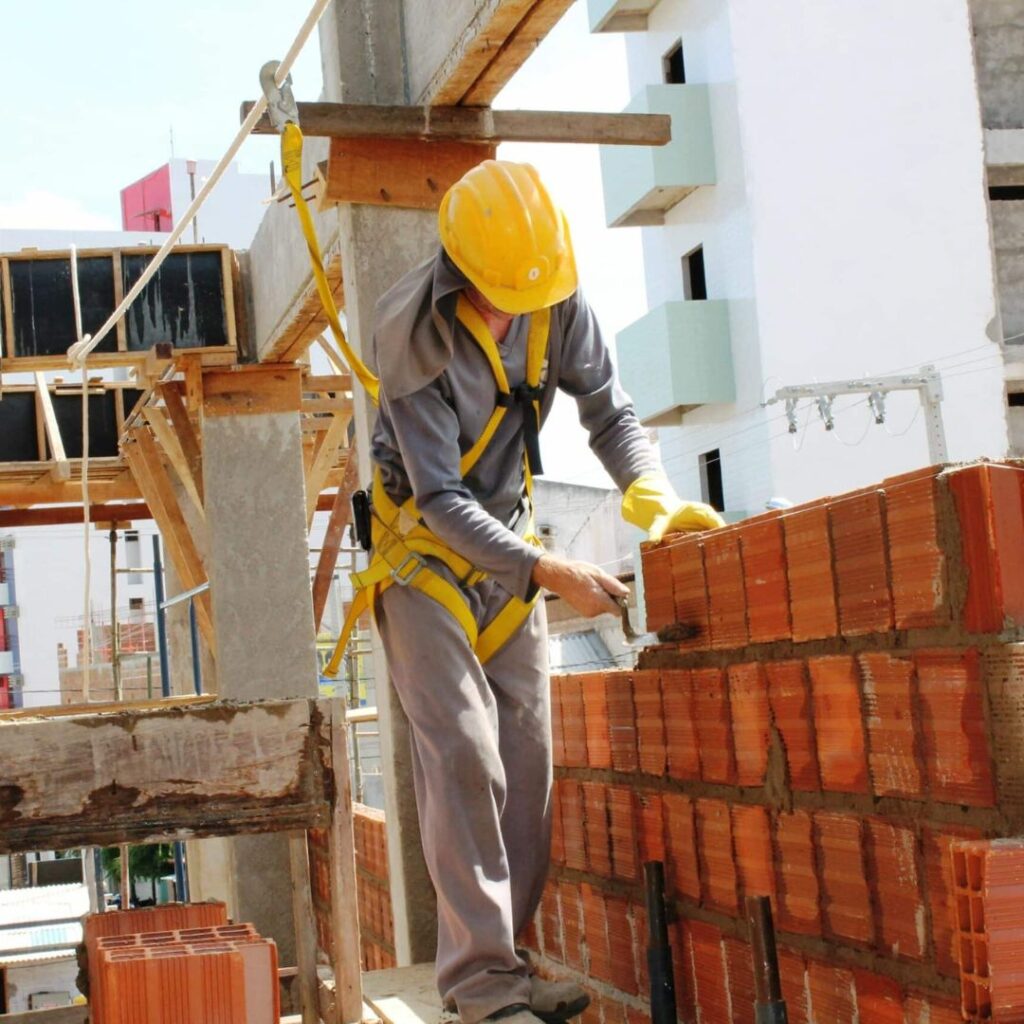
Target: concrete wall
x=1008, y=236
x=22, y=982
x=232, y=212
x=999, y=50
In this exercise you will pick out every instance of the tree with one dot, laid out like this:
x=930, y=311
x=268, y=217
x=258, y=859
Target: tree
x=150, y=862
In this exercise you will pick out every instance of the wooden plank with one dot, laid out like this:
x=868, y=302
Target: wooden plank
x=346, y=952
x=516, y=48
x=46, y=491
x=61, y=1015
x=341, y=513
x=187, y=437
x=184, y=772
x=30, y=253
x=252, y=390
x=324, y=460
x=305, y=928
x=144, y=459
x=121, y=327
x=406, y=173
x=477, y=124
x=61, y=469
x=332, y=352
x=172, y=448
x=333, y=383
x=227, y=274
x=220, y=355
x=5, y=286
x=112, y=707
x=404, y=995
x=193, y=373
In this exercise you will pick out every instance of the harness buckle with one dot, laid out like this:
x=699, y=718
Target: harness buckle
x=419, y=565
x=281, y=105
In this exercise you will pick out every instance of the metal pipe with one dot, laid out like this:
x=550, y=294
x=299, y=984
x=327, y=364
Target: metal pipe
x=185, y=595
x=115, y=664
x=161, y=619
x=659, y=952
x=197, y=667
x=769, y=1007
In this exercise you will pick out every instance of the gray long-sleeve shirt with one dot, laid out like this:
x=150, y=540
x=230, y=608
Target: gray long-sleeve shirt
x=438, y=392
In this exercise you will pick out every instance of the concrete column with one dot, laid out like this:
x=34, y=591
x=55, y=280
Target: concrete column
x=362, y=52
x=262, y=604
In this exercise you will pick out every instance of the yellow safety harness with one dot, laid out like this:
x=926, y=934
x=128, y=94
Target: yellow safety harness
x=401, y=541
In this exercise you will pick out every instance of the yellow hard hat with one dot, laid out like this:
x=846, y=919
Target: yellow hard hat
x=503, y=231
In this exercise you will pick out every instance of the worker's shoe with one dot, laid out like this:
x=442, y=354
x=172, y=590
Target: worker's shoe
x=515, y=1013
x=556, y=1001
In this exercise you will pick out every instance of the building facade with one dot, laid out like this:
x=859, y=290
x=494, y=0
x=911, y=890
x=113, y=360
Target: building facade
x=825, y=212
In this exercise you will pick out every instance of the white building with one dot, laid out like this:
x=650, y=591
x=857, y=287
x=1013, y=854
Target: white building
x=822, y=213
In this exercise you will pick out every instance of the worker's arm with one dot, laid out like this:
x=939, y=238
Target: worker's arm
x=427, y=431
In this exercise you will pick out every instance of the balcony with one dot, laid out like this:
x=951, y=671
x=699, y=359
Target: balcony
x=676, y=358
x=6, y=663
x=5, y=595
x=641, y=183
x=619, y=15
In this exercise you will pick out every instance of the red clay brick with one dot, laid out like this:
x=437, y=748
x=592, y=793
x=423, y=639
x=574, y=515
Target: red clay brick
x=612, y=1011
x=622, y=722
x=595, y=817
x=812, y=599
x=892, y=858
x=689, y=587
x=833, y=998
x=889, y=687
x=592, y=1014
x=595, y=933
x=650, y=721
x=622, y=829
x=658, y=600
x=550, y=923
x=751, y=721
x=557, y=737
x=928, y=1008
x=790, y=698
x=938, y=887
x=681, y=943
x=988, y=503
x=683, y=750
x=838, y=724
x=879, y=999
x=572, y=924
x=751, y=836
x=574, y=731
x=681, y=847
x=739, y=970
x=793, y=976
x=717, y=867
x=920, y=589
x=650, y=818
x=763, y=547
x=708, y=973
x=620, y=945
x=714, y=729
x=953, y=718
x=858, y=537
x=638, y=913
x=847, y=904
x=799, y=906
x=557, y=832
x=723, y=566
x=570, y=798
x=594, y=689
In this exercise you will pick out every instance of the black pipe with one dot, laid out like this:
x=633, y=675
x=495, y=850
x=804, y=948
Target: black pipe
x=659, y=952
x=769, y=1007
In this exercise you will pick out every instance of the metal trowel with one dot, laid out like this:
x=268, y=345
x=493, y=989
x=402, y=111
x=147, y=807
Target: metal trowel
x=675, y=633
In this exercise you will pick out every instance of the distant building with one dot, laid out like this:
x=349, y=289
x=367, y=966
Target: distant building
x=824, y=211
x=231, y=214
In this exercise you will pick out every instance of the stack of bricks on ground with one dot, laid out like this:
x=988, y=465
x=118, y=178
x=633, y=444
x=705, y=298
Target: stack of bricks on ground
x=852, y=703
x=179, y=964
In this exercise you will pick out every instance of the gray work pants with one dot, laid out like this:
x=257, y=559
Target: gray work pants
x=481, y=755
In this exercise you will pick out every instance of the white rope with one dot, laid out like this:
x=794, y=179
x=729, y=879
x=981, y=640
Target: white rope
x=87, y=618
x=81, y=348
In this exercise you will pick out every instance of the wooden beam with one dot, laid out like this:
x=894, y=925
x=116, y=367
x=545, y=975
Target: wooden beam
x=144, y=458
x=475, y=124
x=341, y=513
x=332, y=383
x=304, y=321
x=168, y=440
x=101, y=708
x=405, y=173
x=324, y=459
x=136, y=776
x=252, y=390
x=305, y=928
x=187, y=437
x=46, y=491
x=62, y=468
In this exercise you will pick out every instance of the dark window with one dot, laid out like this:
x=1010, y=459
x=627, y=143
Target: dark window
x=711, y=491
x=135, y=604
x=1006, y=193
x=673, y=67
x=694, y=283
x=1015, y=398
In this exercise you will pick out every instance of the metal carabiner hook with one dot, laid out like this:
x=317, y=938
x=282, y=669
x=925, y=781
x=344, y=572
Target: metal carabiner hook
x=281, y=105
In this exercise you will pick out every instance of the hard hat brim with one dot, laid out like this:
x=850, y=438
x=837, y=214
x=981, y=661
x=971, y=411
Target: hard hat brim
x=519, y=301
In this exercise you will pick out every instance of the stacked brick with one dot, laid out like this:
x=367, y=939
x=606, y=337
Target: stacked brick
x=178, y=964
x=376, y=926
x=851, y=703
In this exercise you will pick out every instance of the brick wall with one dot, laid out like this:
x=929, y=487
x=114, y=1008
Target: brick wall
x=376, y=925
x=851, y=701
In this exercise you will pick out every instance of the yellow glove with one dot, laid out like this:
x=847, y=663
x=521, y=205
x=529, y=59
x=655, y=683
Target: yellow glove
x=651, y=503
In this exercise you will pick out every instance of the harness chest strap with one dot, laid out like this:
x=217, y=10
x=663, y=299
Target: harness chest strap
x=399, y=553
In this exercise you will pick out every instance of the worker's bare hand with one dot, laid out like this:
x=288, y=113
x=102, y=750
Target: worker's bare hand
x=590, y=590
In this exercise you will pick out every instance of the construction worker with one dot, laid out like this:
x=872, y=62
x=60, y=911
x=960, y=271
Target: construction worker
x=470, y=348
